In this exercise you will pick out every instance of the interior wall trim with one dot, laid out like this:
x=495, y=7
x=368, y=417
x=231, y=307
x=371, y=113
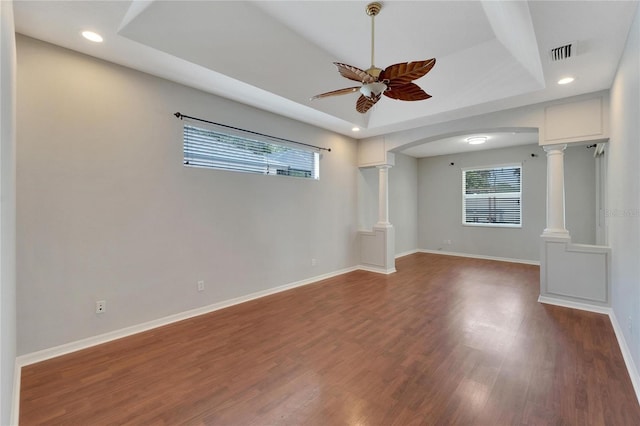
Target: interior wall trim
x=377, y=270
x=575, y=305
x=480, y=256
x=626, y=354
x=45, y=354
x=49, y=353
x=622, y=342
x=407, y=253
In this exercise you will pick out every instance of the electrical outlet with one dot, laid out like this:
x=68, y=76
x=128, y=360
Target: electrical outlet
x=200, y=285
x=314, y=262
x=447, y=242
x=101, y=306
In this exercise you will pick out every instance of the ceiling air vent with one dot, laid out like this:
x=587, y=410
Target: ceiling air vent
x=561, y=53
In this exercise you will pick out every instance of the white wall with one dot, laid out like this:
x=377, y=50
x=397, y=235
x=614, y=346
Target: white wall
x=368, y=198
x=580, y=194
x=440, y=202
x=623, y=192
x=7, y=211
x=403, y=204
x=106, y=210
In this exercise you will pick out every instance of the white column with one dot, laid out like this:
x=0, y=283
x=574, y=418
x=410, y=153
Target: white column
x=383, y=195
x=377, y=247
x=555, y=192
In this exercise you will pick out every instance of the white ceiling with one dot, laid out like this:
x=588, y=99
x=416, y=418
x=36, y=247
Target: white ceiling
x=275, y=55
x=458, y=144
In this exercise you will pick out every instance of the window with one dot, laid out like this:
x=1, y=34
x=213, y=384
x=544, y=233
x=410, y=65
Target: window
x=204, y=147
x=491, y=196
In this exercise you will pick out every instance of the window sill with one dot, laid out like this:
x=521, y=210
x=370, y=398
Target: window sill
x=492, y=225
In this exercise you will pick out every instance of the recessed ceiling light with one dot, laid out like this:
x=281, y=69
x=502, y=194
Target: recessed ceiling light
x=566, y=80
x=476, y=140
x=355, y=129
x=91, y=36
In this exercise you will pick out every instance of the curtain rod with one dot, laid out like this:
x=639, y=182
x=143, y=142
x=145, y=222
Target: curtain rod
x=181, y=116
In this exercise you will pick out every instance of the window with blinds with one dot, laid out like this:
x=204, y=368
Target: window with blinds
x=492, y=196
x=222, y=150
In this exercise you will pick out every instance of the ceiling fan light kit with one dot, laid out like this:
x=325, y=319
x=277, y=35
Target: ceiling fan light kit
x=395, y=81
x=373, y=88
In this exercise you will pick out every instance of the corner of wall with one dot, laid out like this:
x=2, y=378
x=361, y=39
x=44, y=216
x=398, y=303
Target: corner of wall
x=8, y=411
x=626, y=354
x=623, y=200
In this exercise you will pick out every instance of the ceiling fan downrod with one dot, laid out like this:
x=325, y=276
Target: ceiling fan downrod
x=372, y=10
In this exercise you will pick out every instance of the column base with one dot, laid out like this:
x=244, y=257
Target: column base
x=382, y=225
x=555, y=233
x=377, y=248
x=574, y=272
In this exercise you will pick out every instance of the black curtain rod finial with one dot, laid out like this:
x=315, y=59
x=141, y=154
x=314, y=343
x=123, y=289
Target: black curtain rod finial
x=177, y=114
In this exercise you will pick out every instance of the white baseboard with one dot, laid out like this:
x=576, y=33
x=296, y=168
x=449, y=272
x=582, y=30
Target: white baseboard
x=575, y=305
x=407, y=253
x=66, y=348
x=622, y=343
x=480, y=256
x=49, y=353
x=376, y=269
x=626, y=355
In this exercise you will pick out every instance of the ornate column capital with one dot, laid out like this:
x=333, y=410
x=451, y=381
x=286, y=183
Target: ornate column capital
x=554, y=149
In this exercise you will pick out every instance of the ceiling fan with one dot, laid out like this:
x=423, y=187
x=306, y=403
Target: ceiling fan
x=394, y=81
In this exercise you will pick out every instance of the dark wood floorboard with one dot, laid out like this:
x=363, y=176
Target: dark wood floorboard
x=445, y=340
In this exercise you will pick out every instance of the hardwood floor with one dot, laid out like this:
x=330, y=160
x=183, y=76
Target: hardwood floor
x=445, y=340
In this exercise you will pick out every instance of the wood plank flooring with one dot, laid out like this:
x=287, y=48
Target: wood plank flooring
x=445, y=340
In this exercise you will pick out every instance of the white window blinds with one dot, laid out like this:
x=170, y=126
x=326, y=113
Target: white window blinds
x=492, y=196
x=224, y=150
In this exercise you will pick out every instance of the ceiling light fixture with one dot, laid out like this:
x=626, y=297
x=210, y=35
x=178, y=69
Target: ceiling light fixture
x=355, y=129
x=91, y=36
x=566, y=80
x=476, y=140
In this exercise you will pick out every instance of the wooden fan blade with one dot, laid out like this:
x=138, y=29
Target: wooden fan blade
x=407, y=92
x=406, y=72
x=354, y=73
x=364, y=103
x=337, y=92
